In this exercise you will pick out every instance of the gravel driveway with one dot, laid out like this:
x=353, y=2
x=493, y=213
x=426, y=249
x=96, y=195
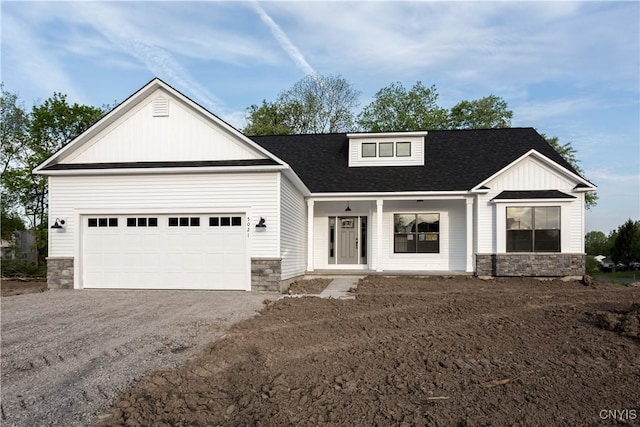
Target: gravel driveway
x=66, y=354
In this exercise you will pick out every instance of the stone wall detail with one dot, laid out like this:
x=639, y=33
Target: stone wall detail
x=60, y=272
x=530, y=264
x=266, y=274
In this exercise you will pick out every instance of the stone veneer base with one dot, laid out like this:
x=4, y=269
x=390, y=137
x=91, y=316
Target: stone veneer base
x=266, y=274
x=60, y=272
x=530, y=264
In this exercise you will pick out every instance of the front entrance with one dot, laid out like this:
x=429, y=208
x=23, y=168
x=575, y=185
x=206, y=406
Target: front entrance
x=348, y=240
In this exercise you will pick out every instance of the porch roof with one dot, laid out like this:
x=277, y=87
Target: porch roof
x=455, y=160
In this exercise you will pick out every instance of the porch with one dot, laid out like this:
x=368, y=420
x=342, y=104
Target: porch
x=400, y=234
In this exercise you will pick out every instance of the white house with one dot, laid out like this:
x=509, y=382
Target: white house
x=162, y=194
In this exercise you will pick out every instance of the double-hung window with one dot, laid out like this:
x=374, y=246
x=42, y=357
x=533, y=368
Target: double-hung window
x=416, y=233
x=533, y=229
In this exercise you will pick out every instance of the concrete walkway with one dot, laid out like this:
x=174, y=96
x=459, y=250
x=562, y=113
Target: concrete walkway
x=339, y=288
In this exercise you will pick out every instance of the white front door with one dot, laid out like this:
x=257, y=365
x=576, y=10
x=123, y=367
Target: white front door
x=187, y=251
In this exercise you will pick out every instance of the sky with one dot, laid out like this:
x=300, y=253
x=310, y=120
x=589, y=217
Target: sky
x=568, y=69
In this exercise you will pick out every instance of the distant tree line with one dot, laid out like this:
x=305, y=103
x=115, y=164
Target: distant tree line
x=622, y=245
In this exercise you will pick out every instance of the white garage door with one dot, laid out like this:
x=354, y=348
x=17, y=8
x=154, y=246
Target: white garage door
x=165, y=251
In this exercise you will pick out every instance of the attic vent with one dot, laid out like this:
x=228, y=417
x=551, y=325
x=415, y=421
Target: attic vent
x=160, y=107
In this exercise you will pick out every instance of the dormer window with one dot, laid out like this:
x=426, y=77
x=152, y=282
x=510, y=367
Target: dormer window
x=369, y=149
x=403, y=149
x=387, y=149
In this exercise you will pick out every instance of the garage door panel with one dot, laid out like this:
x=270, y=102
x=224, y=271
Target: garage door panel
x=120, y=253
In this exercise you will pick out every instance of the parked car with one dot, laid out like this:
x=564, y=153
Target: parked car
x=621, y=266
x=606, y=265
x=635, y=265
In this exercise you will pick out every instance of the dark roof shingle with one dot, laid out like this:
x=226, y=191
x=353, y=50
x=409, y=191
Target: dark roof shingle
x=455, y=160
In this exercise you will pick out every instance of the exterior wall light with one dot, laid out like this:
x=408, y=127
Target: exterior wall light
x=58, y=225
x=261, y=226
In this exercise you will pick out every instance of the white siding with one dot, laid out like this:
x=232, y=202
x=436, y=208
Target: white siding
x=255, y=194
x=293, y=242
x=182, y=135
x=530, y=174
x=452, y=256
x=416, y=159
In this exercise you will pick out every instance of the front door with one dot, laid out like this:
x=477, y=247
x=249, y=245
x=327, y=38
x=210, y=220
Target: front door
x=348, y=240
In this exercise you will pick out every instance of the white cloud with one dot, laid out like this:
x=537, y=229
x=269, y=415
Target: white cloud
x=27, y=55
x=283, y=40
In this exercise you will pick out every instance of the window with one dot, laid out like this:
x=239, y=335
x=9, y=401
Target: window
x=416, y=233
x=533, y=229
x=153, y=222
x=403, y=149
x=142, y=222
x=225, y=221
x=236, y=221
x=183, y=221
x=214, y=221
x=386, y=149
x=102, y=222
x=369, y=149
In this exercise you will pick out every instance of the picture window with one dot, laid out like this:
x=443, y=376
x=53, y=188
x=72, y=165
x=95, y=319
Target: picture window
x=416, y=233
x=533, y=229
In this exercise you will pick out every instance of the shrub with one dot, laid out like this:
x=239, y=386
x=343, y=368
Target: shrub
x=21, y=268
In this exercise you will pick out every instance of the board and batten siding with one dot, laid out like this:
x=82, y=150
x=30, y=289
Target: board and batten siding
x=293, y=241
x=255, y=194
x=452, y=256
x=182, y=135
x=530, y=174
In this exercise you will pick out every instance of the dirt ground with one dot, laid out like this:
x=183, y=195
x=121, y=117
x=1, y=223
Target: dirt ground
x=413, y=351
x=12, y=287
x=309, y=286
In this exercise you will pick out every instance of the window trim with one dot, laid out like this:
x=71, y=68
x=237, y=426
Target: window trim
x=403, y=155
x=389, y=143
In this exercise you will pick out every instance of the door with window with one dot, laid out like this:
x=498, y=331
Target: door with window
x=348, y=240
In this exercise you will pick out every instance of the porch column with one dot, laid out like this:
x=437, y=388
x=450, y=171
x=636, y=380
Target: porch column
x=379, y=205
x=469, y=202
x=310, y=214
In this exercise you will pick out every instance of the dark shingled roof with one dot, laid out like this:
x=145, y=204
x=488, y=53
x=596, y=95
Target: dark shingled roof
x=534, y=194
x=455, y=160
x=143, y=165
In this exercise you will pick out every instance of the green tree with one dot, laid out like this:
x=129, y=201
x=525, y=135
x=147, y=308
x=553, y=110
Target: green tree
x=626, y=244
x=49, y=127
x=484, y=113
x=597, y=243
x=396, y=109
x=569, y=153
x=13, y=129
x=315, y=104
x=267, y=119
